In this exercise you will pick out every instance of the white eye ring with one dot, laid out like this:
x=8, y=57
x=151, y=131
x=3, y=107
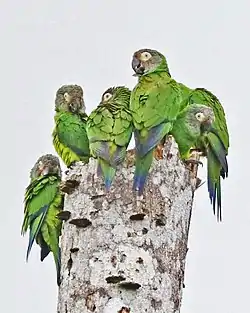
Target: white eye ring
x=107, y=96
x=199, y=116
x=145, y=56
x=66, y=97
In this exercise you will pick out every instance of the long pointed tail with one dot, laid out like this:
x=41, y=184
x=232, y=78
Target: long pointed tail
x=214, y=183
x=108, y=172
x=142, y=166
x=57, y=258
x=35, y=226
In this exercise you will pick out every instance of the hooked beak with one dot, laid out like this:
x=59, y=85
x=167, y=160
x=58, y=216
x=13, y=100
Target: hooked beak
x=137, y=67
x=76, y=105
x=44, y=170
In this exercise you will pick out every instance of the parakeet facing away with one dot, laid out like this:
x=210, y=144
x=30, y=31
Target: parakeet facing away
x=213, y=144
x=109, y=129
x=154, y=104
x=69, y=136
x=43, y=201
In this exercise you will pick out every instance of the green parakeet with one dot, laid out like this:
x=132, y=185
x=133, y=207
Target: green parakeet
x=69, y=136
x=191, y=123
x=214, y=144
x=43, y=201
x=154, y=104
x=109, y=129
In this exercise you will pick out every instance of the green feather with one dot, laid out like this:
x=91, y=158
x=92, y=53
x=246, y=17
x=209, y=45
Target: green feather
x=214, y=143
x=70, y=137
x=109, y=130
x=154, y=104
x=43, y=201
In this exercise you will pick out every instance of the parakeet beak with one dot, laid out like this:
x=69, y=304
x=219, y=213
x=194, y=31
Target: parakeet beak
x=137, y=67
x=43, y=170
x=73, y=107
x=76, y=105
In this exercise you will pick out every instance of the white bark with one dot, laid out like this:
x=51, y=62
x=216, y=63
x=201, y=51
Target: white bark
x=126, y=255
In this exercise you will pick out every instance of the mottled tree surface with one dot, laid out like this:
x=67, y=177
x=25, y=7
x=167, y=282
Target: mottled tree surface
x=121, y=254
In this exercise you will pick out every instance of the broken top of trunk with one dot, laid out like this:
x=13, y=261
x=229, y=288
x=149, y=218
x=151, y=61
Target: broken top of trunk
x=124, y=254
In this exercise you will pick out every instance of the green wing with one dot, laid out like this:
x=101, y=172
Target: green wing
x=154, y=107
x=185, y=134
x=109, y=130
x=154, y=104
x=71, y=132
x=100, y=125
x=109, y=133
x=43, y=202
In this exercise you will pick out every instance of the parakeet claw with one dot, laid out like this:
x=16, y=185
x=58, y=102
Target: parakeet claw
x=158, y=152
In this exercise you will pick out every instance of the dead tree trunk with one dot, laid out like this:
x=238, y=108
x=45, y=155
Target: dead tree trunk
x=121, y=254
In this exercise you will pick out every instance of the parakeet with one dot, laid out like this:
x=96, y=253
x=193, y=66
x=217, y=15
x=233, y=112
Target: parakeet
x=69, y=136
x=213, y=144
x=109, y=130
x=191, y=123
x=42, y=202
x=154, y=104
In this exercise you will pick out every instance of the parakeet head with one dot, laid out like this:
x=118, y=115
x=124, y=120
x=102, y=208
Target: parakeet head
x=200, y=114
x=70, y=98
x=146, y=61
x=47, y=164
x=116, y=96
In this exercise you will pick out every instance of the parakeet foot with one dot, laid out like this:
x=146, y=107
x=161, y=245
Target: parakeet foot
x=158, y=152
x=68, y=186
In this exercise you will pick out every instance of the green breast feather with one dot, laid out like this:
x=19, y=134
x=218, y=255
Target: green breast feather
x=70, y=138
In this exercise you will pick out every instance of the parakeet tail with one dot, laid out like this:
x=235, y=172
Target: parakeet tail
x=142, y=166
x=108, y=172
x=220, y=152
x=214, y=183
x=57, y=258
x=36, y=221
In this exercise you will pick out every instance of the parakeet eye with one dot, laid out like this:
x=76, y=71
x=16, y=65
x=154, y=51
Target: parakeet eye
x=200, y=116
x=145, y=56
x=106, y=96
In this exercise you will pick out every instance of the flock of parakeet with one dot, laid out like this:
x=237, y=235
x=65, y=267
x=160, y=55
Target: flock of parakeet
x=157, y=106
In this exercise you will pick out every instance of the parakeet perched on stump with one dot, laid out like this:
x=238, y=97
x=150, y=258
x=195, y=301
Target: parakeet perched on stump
x=213, y=144
x=154, y=104
x=109, y=129
x=43, y=201
x=69, y=136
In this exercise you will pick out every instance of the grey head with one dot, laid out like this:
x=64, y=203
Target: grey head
x=199, y=115
x=70, y=98
x=47, y=164
x=147, y=61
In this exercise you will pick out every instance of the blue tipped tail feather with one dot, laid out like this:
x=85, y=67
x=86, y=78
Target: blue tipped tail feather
x=142, y=166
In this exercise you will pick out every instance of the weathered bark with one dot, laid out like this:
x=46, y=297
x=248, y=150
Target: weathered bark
x=121, y=254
